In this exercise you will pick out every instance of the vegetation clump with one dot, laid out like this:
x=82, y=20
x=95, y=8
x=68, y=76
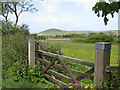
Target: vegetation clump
x=95, y=38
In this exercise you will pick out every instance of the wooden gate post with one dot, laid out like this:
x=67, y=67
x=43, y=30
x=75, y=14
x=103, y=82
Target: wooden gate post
x=31, y=52
x=102, y=59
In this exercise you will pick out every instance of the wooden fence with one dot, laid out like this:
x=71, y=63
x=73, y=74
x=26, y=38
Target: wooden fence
x=101, y=68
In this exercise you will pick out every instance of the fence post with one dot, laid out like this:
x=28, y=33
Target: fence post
x=31, y=52
x=102, y=59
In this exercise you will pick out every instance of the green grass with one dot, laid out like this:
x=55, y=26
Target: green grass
x=85, y=51
x=10, y=83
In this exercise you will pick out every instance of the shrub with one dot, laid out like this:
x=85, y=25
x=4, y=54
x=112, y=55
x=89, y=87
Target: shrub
x=9, y=28
x=15, y=56
x=115, y=79
x=50, y=47
x=95, y=38
x=34, y=35
x=100, y=38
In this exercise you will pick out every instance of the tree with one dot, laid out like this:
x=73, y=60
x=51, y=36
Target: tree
x=5, y=10
x=17, y=8
x=106, y=8
x=9, y=29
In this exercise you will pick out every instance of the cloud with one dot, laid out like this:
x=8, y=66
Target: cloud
x=50, y=7
x=47, y=19
x=55, y=20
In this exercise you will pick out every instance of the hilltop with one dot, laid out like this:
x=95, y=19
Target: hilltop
x=54, y=31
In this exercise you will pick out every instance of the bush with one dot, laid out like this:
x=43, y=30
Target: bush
x=34, y=35
x=115, y=79
x=100, y=38
x=9, y=28
x=50, y=47
x=15, y=56
x=95, y=38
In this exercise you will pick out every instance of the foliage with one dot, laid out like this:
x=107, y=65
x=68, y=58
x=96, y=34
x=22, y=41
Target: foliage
x=15, y=68
x=80, y=85
x=34, y=35
x=15, y=55
x=100, y=38
x=96, y=38
x=42, y=37
x=115, y=79
x=38, y=37
x=17, y=8
x=5, y=10
x=106, y=8
x=50, y=47
x=74, y=35
x=8, y=28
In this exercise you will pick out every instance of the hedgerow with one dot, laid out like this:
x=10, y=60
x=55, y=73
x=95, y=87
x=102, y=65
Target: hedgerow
x=95, y=38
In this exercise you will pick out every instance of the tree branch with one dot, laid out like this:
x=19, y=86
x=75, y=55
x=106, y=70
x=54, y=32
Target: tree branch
x=20, y=12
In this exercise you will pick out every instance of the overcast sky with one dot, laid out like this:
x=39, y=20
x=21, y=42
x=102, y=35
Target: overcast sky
x=70, y=15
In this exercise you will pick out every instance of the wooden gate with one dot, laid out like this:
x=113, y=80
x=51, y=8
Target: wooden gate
x=61, y=59
x=101, y=68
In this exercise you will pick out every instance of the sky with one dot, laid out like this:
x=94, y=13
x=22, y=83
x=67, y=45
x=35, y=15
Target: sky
x=69, y=15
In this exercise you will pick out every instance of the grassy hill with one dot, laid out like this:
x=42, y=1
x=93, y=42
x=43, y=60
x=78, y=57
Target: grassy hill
x=55, y=31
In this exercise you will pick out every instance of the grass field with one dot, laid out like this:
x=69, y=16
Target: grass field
x=85, y=51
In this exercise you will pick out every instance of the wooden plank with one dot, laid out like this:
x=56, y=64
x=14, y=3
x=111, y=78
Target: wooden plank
x=72, y=70
x=67, y=69
x=59, y=75
x=78, y=61
x=47, y=53
x=55, y=80
x=112, y=68
x=42, y=60
x=87, y=75
x=50, y=64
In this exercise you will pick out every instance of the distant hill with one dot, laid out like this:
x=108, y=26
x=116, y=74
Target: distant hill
x=54, y=31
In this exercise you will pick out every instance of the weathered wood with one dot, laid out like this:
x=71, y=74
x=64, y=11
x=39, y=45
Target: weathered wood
x=50, y=64
x=112, y=68
x=42, y=60
x=31, y=52
x=102, y=59
x=88, y=75
x=59, y=75
x=72, y=70
x=67, y=69
x=78, y=61
x=55, y=80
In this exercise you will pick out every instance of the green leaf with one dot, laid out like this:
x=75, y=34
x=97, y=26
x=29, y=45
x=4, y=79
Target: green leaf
x=105, y=20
